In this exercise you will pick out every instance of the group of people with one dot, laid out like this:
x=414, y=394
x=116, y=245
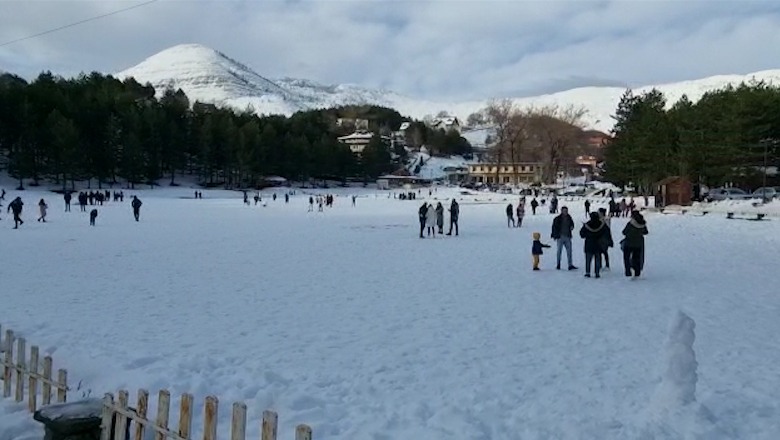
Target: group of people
x=16, y=206
x=432, y=218
x=597, y=236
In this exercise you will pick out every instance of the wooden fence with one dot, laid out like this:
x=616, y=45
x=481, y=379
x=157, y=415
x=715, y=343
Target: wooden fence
x=20, y=371
x=118, y=415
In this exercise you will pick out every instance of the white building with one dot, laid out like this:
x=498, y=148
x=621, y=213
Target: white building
x=358, y=140
x=447, y=123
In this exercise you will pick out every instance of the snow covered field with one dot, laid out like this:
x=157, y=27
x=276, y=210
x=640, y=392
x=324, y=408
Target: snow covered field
x=347, y=321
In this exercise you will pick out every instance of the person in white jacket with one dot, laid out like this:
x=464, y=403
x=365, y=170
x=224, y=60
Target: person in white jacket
x=430, y=220
x=42, y=206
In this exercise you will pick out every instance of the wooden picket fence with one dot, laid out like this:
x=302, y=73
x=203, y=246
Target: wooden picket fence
x=119, y=416
x=20, y=371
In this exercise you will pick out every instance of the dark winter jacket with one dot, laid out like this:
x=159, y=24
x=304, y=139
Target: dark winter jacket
x=635, y=232
x=536, y=247
x=595, y=232
x=561, y=227
x=136, y=204
x=509, y=210
x=454, y=211
x=422, y=212
x=439, y=215
x=16, y=206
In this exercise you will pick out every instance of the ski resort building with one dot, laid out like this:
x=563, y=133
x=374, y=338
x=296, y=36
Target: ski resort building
x=358, y=140
x=509, y=173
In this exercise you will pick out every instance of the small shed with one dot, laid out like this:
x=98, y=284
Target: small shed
x=674, y=190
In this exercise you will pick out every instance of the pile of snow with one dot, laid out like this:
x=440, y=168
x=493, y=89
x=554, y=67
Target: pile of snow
x=398, y=337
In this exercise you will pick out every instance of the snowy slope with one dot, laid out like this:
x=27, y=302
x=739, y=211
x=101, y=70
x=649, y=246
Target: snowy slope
x=399, y=338
x=210, y=76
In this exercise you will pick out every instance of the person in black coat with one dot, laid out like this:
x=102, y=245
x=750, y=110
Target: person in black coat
x=16, y=207
x=136, y=204
x=454, y=213
x=421, y=214
x=634, y=244
x=594, y=232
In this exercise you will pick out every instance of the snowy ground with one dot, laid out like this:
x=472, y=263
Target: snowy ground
x=347, y=321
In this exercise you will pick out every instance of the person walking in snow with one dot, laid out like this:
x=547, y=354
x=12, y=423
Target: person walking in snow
x=287, y=198
x=587, y=208
x=136, y=204
x=92, y=216
x=534, y=205
x=42, y=207
x=594, y=232
x=16, y=207
x=353, y=200
x=440, y=217
x=562, y=228
x=430, y=220
x=311, y=204
x=454, y=213
x=536, y=249
x=520, y=213
x=633, y=245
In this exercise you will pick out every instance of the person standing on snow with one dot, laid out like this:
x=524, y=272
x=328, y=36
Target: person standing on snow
x=440, y=217
x=67, y=197
x=562, y=228
x=454, y=213
x=520, y=213
x=607, y=241
x=633, y=244
x=430, y=220
x=422, y=213
x=594, y=232
x=534, y=205
x=136, y=204
x=510, y=216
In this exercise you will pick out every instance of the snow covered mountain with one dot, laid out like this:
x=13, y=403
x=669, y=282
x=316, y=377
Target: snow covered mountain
x=207, y=75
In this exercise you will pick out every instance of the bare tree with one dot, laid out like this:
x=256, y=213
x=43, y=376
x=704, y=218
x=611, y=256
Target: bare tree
x=558, y=130
x=499, y=114
x=476, y=119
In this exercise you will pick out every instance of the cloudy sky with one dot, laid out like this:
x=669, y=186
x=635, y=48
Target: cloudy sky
x=445, y=49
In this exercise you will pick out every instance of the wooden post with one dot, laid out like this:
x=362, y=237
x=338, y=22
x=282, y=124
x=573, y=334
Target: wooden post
x=9, y=361
x=21, y=354
x=141, y=408
x=32, y=402
x=62, y=386
x=302, y=432
x=238, y=423
x=107, y=417
x=163, y=405
x=210, y=418
x=46, y=391
x=121, y=419
x=185, y=416
x=270, y=420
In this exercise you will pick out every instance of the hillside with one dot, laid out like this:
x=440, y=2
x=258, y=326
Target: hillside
x=207, y=75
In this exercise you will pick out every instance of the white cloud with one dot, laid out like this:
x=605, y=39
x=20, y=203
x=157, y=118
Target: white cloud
x=433, y=49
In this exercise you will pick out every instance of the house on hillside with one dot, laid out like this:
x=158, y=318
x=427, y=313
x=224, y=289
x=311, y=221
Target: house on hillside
x=358, y=141
x=447, y=123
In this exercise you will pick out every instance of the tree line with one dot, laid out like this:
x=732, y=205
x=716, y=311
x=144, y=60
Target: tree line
x=729, y=136
x=96, y=127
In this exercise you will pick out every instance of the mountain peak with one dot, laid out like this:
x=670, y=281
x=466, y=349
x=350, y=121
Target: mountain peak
x=208, y=75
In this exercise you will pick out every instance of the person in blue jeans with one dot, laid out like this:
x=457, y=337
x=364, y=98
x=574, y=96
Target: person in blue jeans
x=562, y=228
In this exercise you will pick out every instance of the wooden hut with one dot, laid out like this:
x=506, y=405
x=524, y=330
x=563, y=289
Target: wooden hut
x=674, y=190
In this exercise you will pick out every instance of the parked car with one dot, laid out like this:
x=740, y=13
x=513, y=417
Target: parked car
x=717, y=194
x=767, y=193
